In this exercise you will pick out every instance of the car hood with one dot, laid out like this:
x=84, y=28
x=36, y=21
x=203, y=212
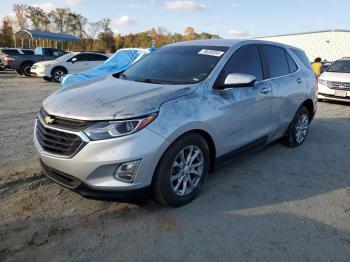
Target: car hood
x=108, y=98
x=336, y=77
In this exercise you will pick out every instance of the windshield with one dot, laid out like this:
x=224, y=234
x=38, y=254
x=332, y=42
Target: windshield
x=65, y=57
x=176, y=65
x=340, y=66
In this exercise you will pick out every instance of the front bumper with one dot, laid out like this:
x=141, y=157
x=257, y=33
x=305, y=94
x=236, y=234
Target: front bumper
x=40, y=72
x=137, y=196
x=327, y=93
x=95, y=164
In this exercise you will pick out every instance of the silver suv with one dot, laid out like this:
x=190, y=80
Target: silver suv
x=161, y=124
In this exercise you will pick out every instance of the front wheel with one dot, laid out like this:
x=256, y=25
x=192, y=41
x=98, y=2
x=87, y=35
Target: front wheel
x=298, y=129
x=182, y=171
x=57, y=74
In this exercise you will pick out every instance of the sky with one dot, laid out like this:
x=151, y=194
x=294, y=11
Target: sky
x=227, y=18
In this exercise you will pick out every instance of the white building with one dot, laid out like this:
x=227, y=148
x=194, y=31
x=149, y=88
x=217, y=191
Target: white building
x=329, y=44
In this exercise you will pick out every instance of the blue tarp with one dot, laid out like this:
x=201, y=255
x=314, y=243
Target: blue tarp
x=117, y=63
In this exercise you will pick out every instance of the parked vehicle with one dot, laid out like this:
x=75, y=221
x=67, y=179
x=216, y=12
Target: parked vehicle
x=325, y=65
x=66, y=64
x=23, y=63
x=161, y=124
x=334, y=83
x=7, y=51
x=118, y=62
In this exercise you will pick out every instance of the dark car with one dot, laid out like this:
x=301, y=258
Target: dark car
x=23, y=63
x=5, y=52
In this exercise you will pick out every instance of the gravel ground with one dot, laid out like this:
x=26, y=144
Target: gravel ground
x=278, y=204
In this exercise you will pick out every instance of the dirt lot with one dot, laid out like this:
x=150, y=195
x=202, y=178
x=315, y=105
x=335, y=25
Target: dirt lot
x=278, y=204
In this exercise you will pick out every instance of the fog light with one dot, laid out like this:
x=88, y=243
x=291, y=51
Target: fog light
x=127, y=171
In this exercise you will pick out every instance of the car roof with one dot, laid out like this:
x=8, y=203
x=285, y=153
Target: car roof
x=344, y=58
x=227, y=43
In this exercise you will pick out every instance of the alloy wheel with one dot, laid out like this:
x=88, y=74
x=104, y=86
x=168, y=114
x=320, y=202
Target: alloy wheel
x=187, y=170
x=301, y=128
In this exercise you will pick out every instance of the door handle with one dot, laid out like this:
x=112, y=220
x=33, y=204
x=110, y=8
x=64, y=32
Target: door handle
x=299, y=80
x=265, y=90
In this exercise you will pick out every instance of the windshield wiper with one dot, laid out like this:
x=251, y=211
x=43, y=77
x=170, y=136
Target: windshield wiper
x=123, y=76
x=148, y=80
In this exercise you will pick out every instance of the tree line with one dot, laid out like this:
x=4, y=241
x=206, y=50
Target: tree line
x=94, y=35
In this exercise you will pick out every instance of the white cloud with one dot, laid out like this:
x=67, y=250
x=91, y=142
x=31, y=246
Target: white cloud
x=124, y=20
x=49, y=6
x=69, y=3
x=184, y=5
x=235, y=5
x=237, y=33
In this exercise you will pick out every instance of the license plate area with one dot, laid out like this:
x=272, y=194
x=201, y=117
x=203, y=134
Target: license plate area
x=340, y=93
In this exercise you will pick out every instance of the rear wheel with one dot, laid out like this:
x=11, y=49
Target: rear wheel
x=57, y=73
x=25, y=69
x=298, y=129
x=182, y=171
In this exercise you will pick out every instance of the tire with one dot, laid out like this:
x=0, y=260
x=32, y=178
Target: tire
x=49, y=79
x=176, y=183
x=19, y=72
x=57, y=73
x=298, y=129
x=25, y=69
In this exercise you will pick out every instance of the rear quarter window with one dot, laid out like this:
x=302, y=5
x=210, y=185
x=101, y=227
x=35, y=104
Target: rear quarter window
x=292, y=65
x=302, y=56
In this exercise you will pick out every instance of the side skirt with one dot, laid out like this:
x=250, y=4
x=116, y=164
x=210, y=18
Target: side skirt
x=239, y=152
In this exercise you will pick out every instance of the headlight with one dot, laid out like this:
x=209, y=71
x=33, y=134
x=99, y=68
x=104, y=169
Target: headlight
x=323, y=82
x=111, y=129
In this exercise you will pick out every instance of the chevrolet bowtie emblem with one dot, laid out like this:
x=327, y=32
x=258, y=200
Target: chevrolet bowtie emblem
x=49, y=120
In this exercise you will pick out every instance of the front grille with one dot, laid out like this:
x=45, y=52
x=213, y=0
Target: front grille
x=65, y=123
x=339, y=85
x=58, y=142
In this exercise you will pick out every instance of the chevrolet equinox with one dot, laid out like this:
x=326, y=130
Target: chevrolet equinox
x=160, y=125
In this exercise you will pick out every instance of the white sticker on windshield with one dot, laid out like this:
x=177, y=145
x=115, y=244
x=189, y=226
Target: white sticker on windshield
x=211, y=52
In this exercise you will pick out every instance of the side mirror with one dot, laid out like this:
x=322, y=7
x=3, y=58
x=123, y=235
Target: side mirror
x=238, y=80
x=74, y=60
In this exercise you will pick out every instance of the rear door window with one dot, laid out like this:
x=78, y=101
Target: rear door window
x=246, y=60
x=276, y=60
x=27, y=52
x=97, y=57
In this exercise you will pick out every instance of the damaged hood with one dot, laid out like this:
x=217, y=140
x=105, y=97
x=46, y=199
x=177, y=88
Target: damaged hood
x=107, y=98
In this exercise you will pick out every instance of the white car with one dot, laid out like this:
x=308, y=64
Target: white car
x=70, y=63
x=334, y=83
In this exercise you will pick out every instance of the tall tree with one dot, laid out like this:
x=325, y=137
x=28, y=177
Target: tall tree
x=107, y=36
x=92, y=31
x=38, y=18
x=58, y=19
x=190, y=33
x=20, y=15
x=6, y=32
